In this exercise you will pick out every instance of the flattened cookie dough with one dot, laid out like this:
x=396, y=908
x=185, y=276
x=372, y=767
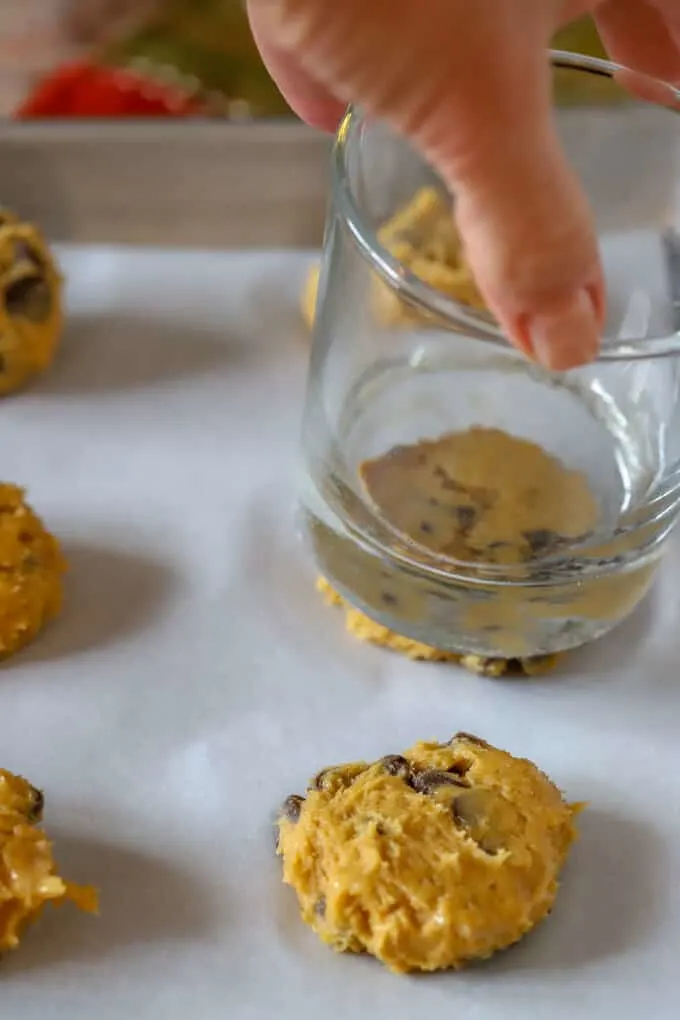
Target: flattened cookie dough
x=31, y=311
x=28, y=878
x=476, y=497
x=365, y=629
x=481, y=496
x=31, y=569
x=428, y=859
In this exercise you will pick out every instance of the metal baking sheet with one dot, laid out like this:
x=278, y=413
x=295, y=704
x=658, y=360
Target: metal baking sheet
x=186, y=183
x=195, y=679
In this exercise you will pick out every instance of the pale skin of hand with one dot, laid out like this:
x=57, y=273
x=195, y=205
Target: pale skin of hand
x=468, y=82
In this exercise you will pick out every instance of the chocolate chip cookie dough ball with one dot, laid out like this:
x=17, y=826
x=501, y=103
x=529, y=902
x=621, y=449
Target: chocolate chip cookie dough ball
x=28, y=877
x=31, y=312
x=427, y=859
x=31, y=569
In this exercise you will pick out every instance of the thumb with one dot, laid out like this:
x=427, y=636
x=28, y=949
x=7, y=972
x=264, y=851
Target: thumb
x=476, y=101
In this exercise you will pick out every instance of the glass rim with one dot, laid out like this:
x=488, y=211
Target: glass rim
x=423, y=296
x=600, y=554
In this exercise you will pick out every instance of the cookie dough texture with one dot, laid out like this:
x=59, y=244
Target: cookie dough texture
x=309, y=294
x=475, y=497
x=423, y=237
x=28, y=878
x=31, y=570
x=428, y=859
x=364, y=628
x=31, y=310
x=481, y=496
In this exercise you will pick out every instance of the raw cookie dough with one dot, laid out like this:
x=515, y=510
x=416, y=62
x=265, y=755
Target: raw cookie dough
x=31, y=312
x=308, y=298
x=31, y=568
x=365, y=629
x=422, y=235
x=430, y=859
x=481, y=496
x=28, y=878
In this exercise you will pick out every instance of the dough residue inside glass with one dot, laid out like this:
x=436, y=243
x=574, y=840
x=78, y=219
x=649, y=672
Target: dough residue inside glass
x=481, y=496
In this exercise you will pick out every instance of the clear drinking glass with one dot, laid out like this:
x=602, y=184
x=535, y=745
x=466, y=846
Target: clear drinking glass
x=543, y=530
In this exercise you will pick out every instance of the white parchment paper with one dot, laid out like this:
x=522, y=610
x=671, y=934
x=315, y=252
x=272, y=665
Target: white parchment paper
x=195, y=679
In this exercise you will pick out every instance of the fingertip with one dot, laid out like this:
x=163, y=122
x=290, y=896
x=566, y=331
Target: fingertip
x=563, y=335
x=324, y=115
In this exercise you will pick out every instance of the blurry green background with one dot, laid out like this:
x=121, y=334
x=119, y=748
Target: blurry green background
x=580, y=37
x=209, y=41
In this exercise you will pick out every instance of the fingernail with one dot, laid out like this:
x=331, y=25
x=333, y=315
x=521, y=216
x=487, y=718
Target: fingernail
x=568, y=336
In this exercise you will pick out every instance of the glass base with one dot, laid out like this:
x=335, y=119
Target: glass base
x=472, y=616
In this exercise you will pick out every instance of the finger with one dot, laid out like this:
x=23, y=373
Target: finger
x=310, y=100
x=637, y=35
x=528, y=228
x=670, y=14
x=479, y=108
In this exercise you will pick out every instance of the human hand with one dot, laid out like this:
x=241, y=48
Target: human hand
x=468, y=82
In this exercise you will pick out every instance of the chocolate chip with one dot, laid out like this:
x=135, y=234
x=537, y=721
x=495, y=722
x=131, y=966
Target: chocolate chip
x=37, y=805
x=320, y=907
x=29, y=298
x=3, y=363
x=433, y=501
x=396, y=765
x=292, y=807
x=447, y=482
x=329, y=781
x=465, y=515
x=470, y=738
x=24, y=252
x=431, y=779
x=542, y=540
x=426, y=527
x=319, y=781
x=388, y=599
